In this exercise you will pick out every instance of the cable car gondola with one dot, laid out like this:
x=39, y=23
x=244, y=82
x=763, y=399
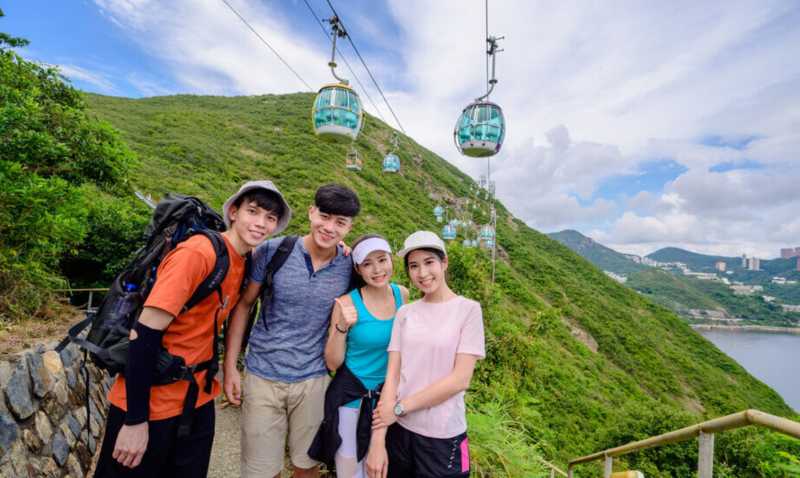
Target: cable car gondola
x=438, y=211
x=337, y=115
x=353, y=161
x=481, y=128
x=487, y=232
x=449, y=232
x=391, y=163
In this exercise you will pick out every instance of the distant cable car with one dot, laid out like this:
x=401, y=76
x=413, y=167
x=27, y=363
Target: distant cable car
x=489, y=243
x=474, y=243
x=353, y=161
x=438, y=211
x=481, y=128
x=449, y=232
x=337, y=114
x=466, y=243
x=487, y=232
x=391, y=163
x=455, y=222
x=438, y=218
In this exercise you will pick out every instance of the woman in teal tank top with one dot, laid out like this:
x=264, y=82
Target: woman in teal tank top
x=361, y=328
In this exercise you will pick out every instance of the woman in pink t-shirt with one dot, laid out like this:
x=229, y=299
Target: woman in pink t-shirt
x=436, y=342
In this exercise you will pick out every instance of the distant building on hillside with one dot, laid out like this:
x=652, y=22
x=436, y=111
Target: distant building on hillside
x=744, y=261
x=720, y=266
x=634, y=258
x=618, y=278
x=746, y=289
x=791, y=308
x=702, y=275
x=788, y=253
x=754, y=264
x=798, y=264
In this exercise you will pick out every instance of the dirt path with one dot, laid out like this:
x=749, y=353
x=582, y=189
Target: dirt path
x=227, y=444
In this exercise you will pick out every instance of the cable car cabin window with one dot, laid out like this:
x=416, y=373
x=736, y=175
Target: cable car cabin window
x=341, y=98
x=353, y=101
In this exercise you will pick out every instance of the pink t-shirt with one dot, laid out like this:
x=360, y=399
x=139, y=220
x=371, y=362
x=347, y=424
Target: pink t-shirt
x=428, y=337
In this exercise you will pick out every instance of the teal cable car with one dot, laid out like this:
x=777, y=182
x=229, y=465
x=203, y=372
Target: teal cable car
x=489, y=243
x=487, y=232
x=466, y=243
x=391, y=163
x=449, y=232
x=481, y=128
x=337, y=115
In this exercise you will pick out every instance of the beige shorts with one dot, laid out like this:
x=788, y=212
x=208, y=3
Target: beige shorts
x=270, y=410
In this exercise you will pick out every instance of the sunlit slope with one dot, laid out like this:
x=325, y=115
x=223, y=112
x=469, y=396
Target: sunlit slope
x=564, y=392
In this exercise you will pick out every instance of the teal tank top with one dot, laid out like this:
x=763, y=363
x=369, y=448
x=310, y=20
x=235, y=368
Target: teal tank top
x=366, y=355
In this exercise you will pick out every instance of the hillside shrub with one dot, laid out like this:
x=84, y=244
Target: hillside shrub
x=49, y=148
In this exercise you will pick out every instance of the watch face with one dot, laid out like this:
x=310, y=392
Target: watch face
x=398, y=410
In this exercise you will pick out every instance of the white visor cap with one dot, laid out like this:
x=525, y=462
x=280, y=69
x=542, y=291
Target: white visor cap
x=420, y=240
x=364, y=248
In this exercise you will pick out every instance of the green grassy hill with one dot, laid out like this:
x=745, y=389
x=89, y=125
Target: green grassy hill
x=573, y=357
x=671, y=291
x=603, y=257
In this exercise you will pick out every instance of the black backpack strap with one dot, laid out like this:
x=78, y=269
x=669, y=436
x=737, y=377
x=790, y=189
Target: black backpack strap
x=214, y=280
x=273, y=266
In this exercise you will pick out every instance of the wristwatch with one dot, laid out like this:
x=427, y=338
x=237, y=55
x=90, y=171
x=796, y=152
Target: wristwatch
x=398, y=409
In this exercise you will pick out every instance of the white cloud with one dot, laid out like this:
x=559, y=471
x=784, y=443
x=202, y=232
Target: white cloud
x=625, y=84
x=212, y=52
x=104, y=82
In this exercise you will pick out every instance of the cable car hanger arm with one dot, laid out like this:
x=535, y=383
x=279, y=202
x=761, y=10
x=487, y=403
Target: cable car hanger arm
x=338, y=31
x=492, y=53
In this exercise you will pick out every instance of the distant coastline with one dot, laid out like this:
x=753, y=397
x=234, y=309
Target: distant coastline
x=761, y=328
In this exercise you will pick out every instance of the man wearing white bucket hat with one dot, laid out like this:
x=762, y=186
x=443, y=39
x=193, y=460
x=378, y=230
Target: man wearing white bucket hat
x=142, y=414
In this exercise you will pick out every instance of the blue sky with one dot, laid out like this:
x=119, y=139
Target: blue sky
x=643, y=125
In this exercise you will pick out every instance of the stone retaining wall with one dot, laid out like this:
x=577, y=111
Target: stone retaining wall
x=43, y=417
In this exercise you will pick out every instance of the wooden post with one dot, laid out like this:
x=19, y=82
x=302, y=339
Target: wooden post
x=552, y=473
x=89, y=307
x=569, y=472
x=608, y=468
x=705, y=465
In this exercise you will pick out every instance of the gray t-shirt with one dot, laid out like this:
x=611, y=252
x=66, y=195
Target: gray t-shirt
x=297, y=316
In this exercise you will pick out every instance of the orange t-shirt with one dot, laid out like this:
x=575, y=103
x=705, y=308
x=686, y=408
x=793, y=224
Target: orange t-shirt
x=190, y=334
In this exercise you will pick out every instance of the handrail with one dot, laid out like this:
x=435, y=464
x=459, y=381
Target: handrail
x=89, y=308
x=553, y=468
x=80, y=290
x=705, y=431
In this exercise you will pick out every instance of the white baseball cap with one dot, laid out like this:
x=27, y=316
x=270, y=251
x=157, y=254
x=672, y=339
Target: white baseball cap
x=422, y=239
x=249, y=186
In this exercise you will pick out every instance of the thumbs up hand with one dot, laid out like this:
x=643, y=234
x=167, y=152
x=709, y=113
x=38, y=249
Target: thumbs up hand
x=348, y=315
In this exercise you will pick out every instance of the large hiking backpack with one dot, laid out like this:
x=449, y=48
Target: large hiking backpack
x=177, y=218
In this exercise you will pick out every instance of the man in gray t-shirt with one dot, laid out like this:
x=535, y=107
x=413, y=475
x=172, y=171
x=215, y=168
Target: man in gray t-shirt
x=284, y=389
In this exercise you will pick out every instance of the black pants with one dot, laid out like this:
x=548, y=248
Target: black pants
x=167, y=455
x=412, y=455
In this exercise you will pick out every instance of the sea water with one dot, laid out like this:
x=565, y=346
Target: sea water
x=772, y=357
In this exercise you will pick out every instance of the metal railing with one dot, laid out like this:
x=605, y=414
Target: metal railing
x=89, y=308
x=705, y=431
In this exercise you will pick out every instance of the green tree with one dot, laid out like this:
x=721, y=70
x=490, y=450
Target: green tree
x=49, y=149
